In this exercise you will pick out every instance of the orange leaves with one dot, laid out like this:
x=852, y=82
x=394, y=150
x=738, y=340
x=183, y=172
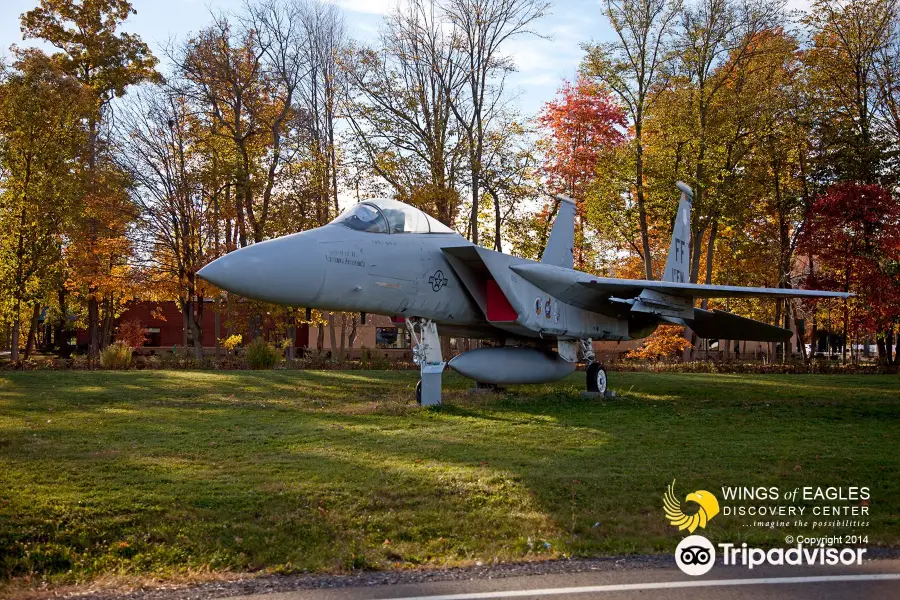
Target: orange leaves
x=583, y=121
x=666, y=342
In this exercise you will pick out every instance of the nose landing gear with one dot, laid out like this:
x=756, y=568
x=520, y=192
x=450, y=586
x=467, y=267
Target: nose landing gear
x=427, y=354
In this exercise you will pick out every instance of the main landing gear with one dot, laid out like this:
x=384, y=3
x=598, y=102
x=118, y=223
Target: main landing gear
x=427, y=354
x=596, y=378
x=595, y=372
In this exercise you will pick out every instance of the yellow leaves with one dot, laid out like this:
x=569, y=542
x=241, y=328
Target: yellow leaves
x=231, y=342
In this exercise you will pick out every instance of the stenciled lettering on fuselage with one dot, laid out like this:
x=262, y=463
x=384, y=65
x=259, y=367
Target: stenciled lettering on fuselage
x=351, y=258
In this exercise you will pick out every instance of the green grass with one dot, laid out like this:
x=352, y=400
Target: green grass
x=167, y=474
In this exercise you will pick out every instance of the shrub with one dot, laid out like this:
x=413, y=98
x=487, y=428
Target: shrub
x=132, y=332
x=373, y=361
x=116, y=356
x=231, y=342
x=665, y=343
x=262, y=355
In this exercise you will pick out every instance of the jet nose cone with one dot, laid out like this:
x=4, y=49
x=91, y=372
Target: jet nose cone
x=288, y=270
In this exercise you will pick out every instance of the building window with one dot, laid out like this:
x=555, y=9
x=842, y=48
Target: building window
x=391, y=337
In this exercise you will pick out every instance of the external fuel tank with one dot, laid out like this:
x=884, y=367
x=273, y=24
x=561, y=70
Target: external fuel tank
x=505, y=366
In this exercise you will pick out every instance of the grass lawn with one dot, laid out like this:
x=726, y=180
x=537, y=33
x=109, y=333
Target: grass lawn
x=174, y=474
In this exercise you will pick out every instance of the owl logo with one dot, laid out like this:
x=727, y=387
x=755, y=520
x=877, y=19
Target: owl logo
x=708, y=508
x=547, y=309
x=537, y=306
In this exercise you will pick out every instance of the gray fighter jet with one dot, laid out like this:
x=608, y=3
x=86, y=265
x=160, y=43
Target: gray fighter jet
x=385, y=257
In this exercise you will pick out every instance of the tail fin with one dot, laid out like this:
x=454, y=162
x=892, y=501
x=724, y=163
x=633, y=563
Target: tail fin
x=562, y=238
x=677, y=262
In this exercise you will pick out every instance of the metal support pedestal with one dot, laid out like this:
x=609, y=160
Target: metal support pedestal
x=427, y=354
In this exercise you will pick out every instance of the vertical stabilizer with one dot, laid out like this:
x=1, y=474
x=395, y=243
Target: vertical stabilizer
x=677, y=266
x=562, y=238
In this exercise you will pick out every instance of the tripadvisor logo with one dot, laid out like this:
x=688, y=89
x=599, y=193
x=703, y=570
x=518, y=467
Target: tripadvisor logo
x=695, y=555
x=707, y=508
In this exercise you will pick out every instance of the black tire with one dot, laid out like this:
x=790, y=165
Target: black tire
x=596, y=378
x=419, y=393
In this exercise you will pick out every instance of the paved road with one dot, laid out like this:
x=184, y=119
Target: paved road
x=872, y=580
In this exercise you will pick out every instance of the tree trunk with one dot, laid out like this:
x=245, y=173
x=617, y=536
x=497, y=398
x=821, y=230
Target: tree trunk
x=217, y=324
x=320, y=337
x=14, y=342
x=185, y=309
x=710, y=250
x=343, y=330
x=62, y=333
x=107, y=321
x=800, y=341
x=290, y=332
x=498, y=242
x=897, y=349
x=642, y=210
x=332, y=339
x=196, y=323
x=93, y=330
x=351, y=336
x=475, y=199
x=32, y=330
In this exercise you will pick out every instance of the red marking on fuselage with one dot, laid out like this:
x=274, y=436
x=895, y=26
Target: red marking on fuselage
x=498, y=307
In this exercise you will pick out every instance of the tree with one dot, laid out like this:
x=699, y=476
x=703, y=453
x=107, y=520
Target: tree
x=399, y=109
x=714, y=40
x=861, y=224
x=324, y=44
x=41, y=132
x=107, y=61
x=851, y=43
x=174, y=235
x=583, y=122
x=632, y=66
x=481, y=28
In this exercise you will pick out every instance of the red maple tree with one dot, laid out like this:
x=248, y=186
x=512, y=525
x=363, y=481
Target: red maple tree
x=583, y=120
x=853, y=234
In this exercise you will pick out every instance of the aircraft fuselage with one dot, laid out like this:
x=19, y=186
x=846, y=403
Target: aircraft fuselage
x=438, y=276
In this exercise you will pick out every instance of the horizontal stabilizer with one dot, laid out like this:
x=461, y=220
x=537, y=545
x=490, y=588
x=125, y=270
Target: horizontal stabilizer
x=719, y=324
x=702, y=290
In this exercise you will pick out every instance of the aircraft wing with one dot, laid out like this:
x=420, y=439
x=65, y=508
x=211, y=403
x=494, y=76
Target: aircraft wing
x=669, y=301
x=569, y=282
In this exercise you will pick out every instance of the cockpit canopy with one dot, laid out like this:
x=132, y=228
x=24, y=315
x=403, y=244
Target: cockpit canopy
x=381, y=215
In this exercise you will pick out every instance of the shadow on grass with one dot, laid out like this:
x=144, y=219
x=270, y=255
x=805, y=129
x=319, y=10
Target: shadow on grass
x=157, y=472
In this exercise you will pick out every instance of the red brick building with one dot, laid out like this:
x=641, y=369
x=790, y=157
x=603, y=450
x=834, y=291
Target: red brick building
x=164, y=324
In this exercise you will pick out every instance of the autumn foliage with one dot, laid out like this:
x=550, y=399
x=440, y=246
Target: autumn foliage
x=583, y=121
x=132, y=333
x=666, y=342
x=853, y=234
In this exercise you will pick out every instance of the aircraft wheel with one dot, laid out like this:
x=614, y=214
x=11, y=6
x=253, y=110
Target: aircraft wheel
x=596, y=378
x=419, y=393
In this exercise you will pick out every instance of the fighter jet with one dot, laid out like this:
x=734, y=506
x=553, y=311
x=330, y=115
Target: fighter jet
x=385, y=257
